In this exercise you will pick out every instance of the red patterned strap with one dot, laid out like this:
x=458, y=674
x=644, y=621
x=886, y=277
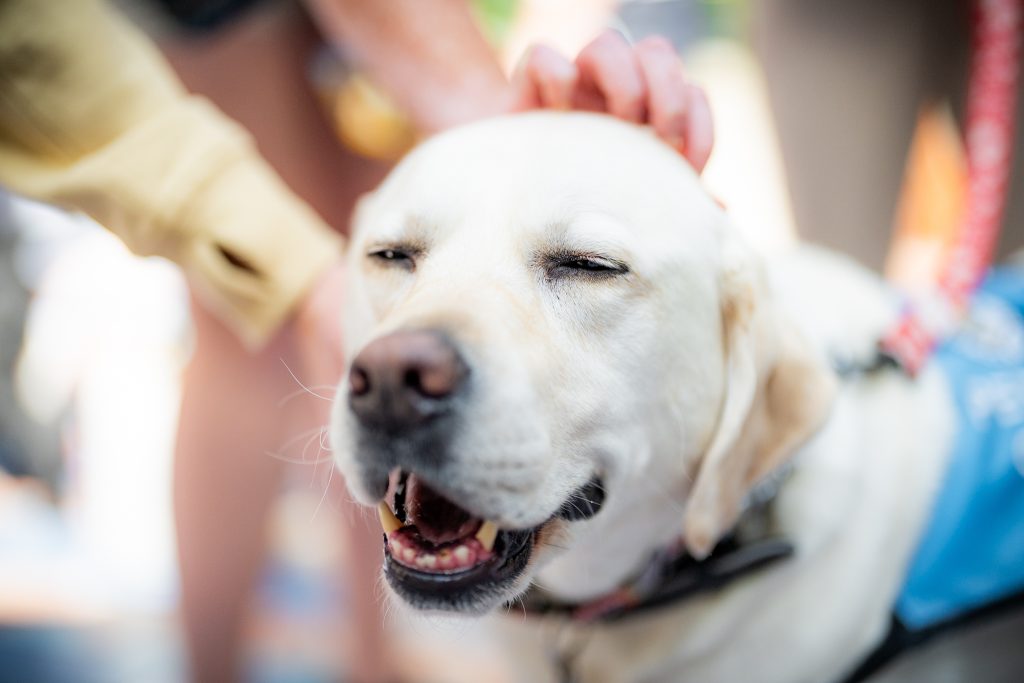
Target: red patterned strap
x=991, y=104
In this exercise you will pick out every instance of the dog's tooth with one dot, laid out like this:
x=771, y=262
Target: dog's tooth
x=462, y=555
x=486, y=534
x=409, y=555
x=445, y=559
x=427, y=561
x=396, y=547
x=387, y=518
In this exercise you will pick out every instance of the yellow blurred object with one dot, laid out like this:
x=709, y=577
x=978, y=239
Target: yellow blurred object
x=932, y=202
x=367, y=121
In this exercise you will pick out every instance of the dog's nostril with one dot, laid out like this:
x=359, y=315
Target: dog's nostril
x=432, y=381
x=404, y=378
x=411, y=379
x=358, y=382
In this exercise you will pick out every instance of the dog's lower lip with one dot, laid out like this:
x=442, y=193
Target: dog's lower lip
x=455, y=589
x=429, y=533
x=455, y=557
x=457, y=560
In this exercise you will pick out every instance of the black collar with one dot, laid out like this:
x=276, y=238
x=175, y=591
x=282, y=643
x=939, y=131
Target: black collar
x=669, y=578
x=672, y=574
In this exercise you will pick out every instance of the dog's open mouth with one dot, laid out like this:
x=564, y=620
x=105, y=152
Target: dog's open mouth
x=438, y=555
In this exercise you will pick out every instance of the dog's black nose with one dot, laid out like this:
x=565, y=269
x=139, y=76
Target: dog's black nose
x=404, y=378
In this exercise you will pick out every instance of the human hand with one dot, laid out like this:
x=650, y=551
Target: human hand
x=643, y=83
x=401, y=54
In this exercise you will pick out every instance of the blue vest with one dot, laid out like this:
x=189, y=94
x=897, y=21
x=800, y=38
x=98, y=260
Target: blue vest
x=972, y=551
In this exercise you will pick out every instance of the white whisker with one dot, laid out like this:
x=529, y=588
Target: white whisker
x=299, y=437
x=304, y=390
x=294, y=461
x=310, y=435
x=330, y=478
x=299, y=382
x=511, y=607
x=322, y=449
x=309, y=441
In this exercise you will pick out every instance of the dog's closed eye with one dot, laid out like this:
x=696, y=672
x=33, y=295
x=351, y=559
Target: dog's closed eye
x=569, y=265
x=394, y=256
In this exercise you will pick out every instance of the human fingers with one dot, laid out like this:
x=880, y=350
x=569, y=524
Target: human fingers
x=700, y=131
x=610, y=78
x=545, y=79
x=667, y=96
x=677, y=110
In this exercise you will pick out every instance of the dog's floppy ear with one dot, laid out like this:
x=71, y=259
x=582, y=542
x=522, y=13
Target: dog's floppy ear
x=777, y=393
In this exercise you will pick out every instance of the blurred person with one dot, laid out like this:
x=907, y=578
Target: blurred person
x=91, y=118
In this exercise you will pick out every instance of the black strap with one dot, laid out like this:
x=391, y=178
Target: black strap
x=682, y=577
x=880, y=362
x=728, y=562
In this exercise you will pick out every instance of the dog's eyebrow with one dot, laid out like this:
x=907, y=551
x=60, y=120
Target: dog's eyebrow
x=591, y=233
x=411, y=231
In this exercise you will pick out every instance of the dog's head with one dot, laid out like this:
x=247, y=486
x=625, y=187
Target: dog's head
x=548, y=317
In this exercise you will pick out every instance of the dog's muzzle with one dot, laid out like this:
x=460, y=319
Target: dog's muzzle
x=406, y=390
x=438, y=555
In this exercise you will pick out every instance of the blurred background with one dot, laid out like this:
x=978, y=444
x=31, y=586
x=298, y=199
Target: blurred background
x=94, y=341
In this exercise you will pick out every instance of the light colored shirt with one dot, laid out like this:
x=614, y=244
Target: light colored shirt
x=93, y=119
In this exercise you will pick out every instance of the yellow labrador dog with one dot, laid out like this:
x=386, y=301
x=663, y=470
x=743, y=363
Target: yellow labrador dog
x=565, y=363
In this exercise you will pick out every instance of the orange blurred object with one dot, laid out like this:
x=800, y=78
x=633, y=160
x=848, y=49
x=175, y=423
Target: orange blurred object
x=932, y=201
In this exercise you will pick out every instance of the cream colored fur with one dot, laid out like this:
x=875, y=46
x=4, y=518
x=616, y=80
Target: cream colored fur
x=682, y=383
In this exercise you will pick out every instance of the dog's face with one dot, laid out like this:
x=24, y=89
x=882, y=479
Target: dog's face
x=538, y=318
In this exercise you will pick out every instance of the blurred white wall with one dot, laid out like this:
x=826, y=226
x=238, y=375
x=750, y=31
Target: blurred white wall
x=105, y=343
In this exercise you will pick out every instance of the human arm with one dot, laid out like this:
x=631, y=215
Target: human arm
x=429, y=56
x=432, y=60
x=91, y=118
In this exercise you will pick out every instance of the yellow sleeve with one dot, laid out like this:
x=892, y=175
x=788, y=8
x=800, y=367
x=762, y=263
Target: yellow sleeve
x=92, y=118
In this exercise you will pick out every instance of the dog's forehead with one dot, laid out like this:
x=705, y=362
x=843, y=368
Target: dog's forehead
x=567, y=176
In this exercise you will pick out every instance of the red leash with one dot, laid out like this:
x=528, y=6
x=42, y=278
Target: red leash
x=991, y=105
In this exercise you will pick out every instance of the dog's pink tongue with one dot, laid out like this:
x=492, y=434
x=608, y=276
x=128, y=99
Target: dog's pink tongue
x=436, y=518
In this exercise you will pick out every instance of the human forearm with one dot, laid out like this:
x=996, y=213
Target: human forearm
x=428, y=55
x=92, y=118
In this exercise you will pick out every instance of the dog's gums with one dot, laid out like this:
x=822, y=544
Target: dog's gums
x=408, y=548
x=437, y=555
